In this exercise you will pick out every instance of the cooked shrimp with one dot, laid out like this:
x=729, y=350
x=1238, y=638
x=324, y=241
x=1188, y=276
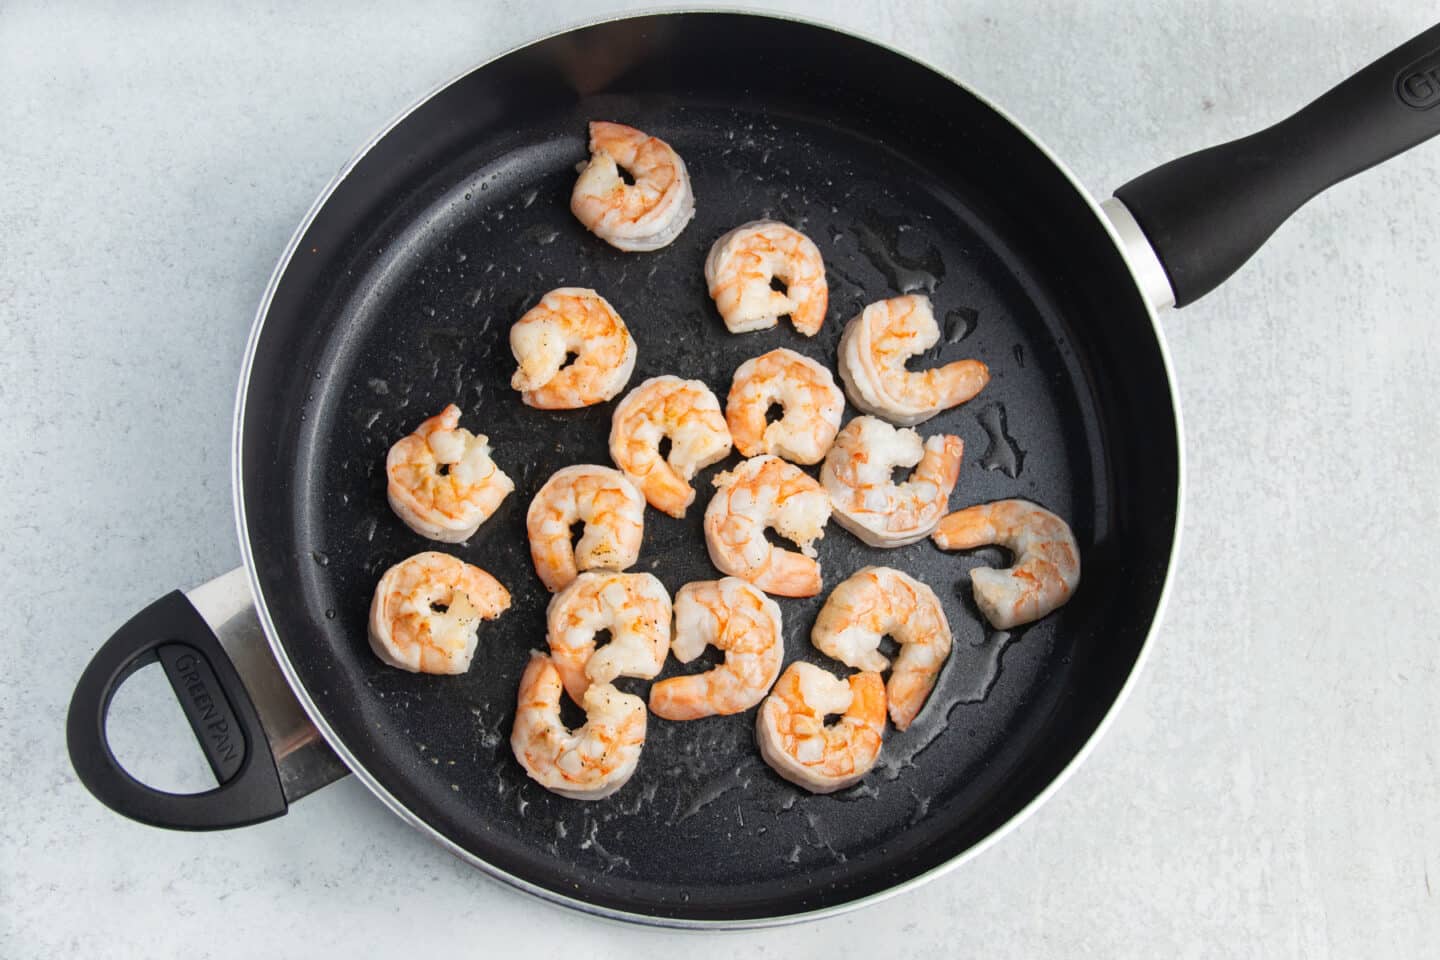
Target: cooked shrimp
x=426, y=612
x=644, y=215
x=686, y=412
x=793, y=736
x=857, y=473
x=571, y=321
x=744, y=261
x=441, y=480
x=1047, y=562
x=805, y=391
x=585, y=764
x=611, y=509
x=760, y=492
x=738, y=619
x=634, y=607
x=876, y=602
x=873, y=350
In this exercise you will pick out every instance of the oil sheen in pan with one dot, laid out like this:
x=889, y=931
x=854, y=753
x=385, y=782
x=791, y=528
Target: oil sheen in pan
x=427, y=324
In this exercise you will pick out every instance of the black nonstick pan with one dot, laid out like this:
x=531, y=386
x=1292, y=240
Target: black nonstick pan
x=396, y=297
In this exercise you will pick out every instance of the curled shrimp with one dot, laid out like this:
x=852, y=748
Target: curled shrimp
x=639, y=216
x=797, y=744
x=611, y=509
x=876, y=602
x=585, y=764
x=734, y=617
x=873, y=350
x=857, y=475
x=805, y=391
x=426, y=611
x=1046, y=570
x=760, y=492
x=571, y=321
x=741, y=266
x=686, y=412
x=441, y=481
x=634, y=607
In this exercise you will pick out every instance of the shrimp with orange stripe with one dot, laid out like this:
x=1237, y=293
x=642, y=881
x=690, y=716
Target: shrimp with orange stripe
x=427, y=609
x=742, y=266
x=645, y=214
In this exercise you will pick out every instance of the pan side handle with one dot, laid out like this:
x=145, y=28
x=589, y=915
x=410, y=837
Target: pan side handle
x=1205, y=214
x=260, y=745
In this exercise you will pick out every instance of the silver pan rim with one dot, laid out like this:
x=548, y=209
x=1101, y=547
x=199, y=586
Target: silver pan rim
x=337, y=743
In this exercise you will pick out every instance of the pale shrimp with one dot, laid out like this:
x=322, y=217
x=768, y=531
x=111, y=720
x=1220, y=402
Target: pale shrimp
x=426, y=612
x=634, y=607
x=735, y=617
x=585, y=764
x=644, y=215
x=741, y=266
x=797, y=744
x=1046, y=568
x=873, y=350
x=688, y=414
x=805, y=391
x=857, y=474
x=611, y=509
x=441, y=480
x=571, y=322
x=767, y=492
x=877, y=602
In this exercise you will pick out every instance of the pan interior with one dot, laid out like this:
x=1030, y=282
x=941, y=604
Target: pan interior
x=399, y=300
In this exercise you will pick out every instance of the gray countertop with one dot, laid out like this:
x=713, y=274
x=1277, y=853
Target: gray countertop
x=1270, y=789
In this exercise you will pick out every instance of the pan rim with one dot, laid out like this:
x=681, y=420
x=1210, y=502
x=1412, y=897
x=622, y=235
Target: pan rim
x=337, y=743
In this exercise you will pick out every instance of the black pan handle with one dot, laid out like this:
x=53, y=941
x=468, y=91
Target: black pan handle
x=172, y=631
x=1207, y=213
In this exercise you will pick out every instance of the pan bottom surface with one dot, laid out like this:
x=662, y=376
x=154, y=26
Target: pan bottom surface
x=418, y=316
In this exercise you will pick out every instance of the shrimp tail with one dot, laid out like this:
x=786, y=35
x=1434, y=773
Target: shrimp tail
x=965, y=529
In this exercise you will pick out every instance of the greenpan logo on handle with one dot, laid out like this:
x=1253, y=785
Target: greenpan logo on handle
x=1418, y=85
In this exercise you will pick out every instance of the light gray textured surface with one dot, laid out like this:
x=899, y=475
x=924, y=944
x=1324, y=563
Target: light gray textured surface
x=1270, y=790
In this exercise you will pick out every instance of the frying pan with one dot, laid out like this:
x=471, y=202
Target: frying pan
x=395, y=297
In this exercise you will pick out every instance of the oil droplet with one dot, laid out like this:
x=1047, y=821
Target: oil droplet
x=713, y=790
x=472, y=297
x=864, y=791
x=960, y=323
x=922, y=807
x=330, y=614
x=794, y=855
x=529, y=198
x=542, y=235
x=921, y=273
x=320, y=558
x=1019, y=352
x=982, y=665
x=378, y=387
x=484, y=186
x=1004, y=453
x=428, y=310
x=460, y=256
